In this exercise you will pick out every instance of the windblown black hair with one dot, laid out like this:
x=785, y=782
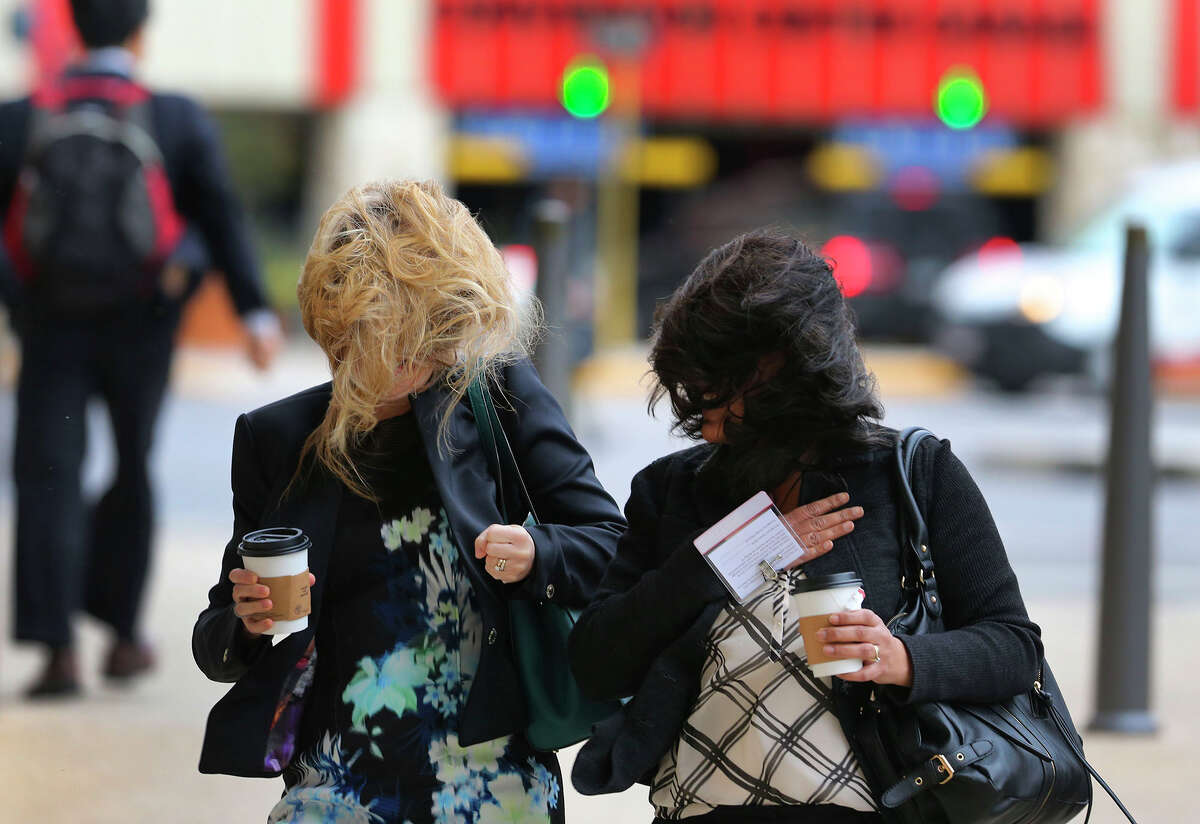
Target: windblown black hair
x=764, y=295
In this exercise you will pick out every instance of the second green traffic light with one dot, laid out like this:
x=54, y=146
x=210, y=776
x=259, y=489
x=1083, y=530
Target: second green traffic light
x=585, y=88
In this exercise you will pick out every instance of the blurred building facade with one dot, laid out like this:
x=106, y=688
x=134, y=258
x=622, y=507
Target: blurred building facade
x=805, y=113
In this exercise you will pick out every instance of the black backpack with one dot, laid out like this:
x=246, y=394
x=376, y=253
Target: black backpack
x=92, y=220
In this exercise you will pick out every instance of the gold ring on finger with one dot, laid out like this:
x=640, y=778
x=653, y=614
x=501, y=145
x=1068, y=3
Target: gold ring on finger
x=876, y=659
x=500, y=564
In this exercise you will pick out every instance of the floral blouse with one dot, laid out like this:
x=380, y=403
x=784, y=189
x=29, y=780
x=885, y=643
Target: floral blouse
x=396, y=647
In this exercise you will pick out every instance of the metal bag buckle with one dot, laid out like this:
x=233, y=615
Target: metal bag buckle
x=943, y=767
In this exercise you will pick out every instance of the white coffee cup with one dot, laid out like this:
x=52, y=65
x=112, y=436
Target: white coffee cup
x=279, y=557
x=812, y=601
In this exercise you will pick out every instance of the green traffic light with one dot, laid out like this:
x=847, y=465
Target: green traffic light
x=585, y=88
x=961, y=101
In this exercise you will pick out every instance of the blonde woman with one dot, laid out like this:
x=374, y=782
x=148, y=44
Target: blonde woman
x=411, y=708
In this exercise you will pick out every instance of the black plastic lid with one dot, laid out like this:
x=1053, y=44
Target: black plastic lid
x=267, y=543
x=819, y=582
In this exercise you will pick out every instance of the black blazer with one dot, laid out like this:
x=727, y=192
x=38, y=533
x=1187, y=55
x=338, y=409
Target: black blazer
x=659, y=599
x=200, y=186
x=574, y=544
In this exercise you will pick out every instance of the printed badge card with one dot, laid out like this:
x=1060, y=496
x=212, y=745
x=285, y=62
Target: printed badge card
x=739, y=543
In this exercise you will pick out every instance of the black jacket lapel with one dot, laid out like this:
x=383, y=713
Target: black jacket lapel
x=462, y=476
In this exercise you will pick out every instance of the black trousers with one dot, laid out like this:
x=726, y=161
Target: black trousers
x=69, y=555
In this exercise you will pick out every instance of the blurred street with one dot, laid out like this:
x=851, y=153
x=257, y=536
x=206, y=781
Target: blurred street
x=130, y=756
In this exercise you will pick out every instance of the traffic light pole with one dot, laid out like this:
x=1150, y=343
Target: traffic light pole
x=617, y=216
x=552, y=357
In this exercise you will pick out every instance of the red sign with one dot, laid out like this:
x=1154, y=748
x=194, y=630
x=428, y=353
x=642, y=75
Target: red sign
x=779, y=60
x=55, y=42
x=1185, y=79
x=337, y=50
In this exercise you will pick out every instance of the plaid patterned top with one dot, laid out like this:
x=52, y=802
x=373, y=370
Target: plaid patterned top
x=762, y=730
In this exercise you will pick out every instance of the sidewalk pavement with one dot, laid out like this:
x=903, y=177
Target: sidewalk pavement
x=130, y=756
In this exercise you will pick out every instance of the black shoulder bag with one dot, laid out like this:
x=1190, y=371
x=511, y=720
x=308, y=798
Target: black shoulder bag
x=1015, y=762
x=559, y=714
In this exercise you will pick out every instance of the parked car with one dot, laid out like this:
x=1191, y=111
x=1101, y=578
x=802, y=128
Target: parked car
x=1016, y=313
x=889, y=259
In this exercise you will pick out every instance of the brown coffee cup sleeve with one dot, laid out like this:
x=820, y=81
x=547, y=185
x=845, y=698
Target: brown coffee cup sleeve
x=290, y=596
x=814, y=650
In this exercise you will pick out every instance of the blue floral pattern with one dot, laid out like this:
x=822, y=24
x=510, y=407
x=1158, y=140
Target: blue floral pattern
x=392, y=753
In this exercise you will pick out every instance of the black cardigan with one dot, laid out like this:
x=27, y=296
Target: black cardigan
x=581, y=524
x=659, y=598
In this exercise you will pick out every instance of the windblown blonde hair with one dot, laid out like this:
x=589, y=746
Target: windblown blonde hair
x=400, y=275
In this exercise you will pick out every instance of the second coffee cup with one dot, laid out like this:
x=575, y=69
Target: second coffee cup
x=279, y=557
x=812, y=601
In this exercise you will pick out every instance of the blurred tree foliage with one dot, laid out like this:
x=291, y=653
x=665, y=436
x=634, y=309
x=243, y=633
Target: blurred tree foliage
x=267, y=153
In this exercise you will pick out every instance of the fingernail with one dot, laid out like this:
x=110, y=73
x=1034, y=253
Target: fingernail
x=858, y=510
x=835, y=619
x=843, y=496
x=267, y=604
x=830, y=650
x=829, y=544
x=821, y=634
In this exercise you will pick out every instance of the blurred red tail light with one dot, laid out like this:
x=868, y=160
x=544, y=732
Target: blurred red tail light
x=998, y=248
x=851, y=261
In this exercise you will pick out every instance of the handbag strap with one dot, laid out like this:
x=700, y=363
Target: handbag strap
x=919, y=577
x=496, y=446
x=1066, y=733
x=920, y=562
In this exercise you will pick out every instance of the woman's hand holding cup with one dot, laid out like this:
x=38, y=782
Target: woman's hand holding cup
x=862, y=634
x=251, y=601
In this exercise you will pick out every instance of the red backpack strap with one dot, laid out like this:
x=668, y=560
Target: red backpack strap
x=14, y=231
x=166, y=217
x=120, y=91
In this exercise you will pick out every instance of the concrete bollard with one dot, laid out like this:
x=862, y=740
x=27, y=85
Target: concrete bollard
x=1123, y=672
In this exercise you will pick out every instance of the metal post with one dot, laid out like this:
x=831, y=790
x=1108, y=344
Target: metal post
x=617, y=212
x=551, y=220
x=1123, y=674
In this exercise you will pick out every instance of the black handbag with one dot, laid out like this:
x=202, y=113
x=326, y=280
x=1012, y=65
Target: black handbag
x=1018, y=761
x=559, y=714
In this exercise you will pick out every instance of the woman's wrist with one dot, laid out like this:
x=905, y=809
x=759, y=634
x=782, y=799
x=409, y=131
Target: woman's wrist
x=902, y=673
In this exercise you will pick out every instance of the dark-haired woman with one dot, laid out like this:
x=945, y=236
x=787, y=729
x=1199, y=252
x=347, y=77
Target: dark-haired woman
x=757, y=356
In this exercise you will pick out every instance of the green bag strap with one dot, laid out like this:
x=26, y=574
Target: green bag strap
x=496, y=445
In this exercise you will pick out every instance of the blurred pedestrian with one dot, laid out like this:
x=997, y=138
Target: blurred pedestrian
x=98, y=177
x=756, y=353
x=412, y=708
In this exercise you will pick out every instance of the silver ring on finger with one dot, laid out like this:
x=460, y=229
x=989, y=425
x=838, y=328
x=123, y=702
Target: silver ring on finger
x=500, y=564
x=875, y=660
